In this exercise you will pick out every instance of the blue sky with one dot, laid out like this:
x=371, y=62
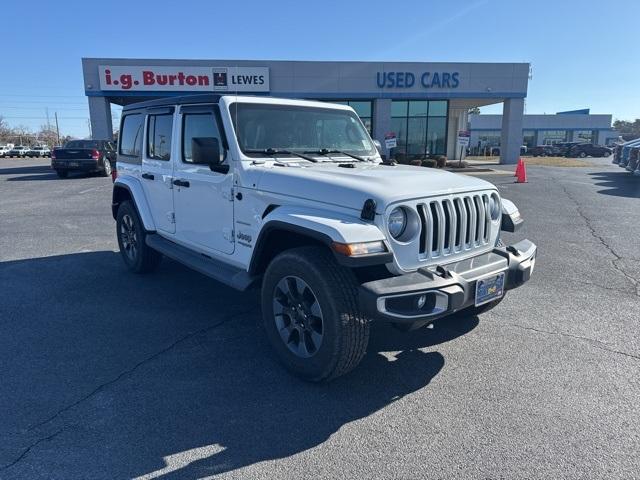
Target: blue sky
x=583, y=53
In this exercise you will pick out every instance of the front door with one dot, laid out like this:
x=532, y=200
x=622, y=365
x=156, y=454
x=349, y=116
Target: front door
x=157, y=169
x=202, y=198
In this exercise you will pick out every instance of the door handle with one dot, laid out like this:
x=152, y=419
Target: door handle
x=148, y=176
x=181, y=183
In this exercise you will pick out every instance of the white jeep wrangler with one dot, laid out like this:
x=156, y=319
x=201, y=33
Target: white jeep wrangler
x=293, y=196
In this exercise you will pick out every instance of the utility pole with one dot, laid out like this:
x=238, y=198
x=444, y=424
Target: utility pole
x=57, y=128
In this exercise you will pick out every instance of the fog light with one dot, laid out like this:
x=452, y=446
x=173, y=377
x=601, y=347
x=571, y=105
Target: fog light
x=422, y=299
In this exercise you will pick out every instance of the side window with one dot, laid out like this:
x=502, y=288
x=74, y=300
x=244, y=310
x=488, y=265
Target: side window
x=131, y=135
x=197, y=125
x=159, y=136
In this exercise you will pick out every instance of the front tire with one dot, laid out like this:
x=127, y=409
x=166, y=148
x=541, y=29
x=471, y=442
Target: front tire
x=311, y=315
x=137, y=255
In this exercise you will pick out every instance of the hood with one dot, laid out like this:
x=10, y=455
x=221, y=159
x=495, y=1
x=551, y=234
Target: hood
x=350, y=187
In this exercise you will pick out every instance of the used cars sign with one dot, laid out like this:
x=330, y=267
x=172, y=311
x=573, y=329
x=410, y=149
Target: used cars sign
x=182, y=79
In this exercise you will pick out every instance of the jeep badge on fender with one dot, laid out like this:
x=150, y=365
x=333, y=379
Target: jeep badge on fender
x=334, y=238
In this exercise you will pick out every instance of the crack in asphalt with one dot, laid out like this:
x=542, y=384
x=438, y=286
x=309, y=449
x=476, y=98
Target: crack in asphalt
x=135, y=367
x=614, y=262
x=28, y=449
x=596, y=343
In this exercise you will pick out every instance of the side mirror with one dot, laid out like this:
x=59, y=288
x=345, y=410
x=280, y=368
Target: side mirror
x=206, y=151
x=378, y=146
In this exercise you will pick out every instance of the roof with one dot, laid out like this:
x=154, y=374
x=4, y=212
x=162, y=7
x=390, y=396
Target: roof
x=170, y=101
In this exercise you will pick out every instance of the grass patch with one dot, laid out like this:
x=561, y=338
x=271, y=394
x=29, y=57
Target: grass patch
x=543, y=161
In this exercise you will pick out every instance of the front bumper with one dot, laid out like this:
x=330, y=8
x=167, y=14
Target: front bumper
x=448, y=288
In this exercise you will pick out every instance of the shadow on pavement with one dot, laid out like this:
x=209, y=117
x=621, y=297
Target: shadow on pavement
x=26, y=170
x=619, y=184
x=170, y=375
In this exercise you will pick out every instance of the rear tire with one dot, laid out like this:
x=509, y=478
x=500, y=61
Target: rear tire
x=62, y=173
x=106, y=168
x=311, y=315
x=137, y=255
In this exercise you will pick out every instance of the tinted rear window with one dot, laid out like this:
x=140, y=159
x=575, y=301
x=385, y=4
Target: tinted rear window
x=82, y=144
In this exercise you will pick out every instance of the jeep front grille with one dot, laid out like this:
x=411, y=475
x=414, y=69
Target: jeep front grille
x=453, y=225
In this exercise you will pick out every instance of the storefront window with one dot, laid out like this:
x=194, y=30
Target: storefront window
x=420, y=127
x=529, y=138
x=583, y=136
x=550, y=137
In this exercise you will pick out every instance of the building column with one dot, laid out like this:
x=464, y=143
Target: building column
x=381, y=120
x=511, y=140
x=100, y=115
x=458, y=120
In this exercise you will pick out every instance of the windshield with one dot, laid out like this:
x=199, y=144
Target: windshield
x=261, y=127
x=81, y=144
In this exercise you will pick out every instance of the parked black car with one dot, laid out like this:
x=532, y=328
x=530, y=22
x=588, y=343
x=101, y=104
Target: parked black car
x=85, y=156
x=588, y=150
x=543, y=151
x=563, y=148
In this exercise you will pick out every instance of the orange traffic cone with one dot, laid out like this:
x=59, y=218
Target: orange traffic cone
x=521, y=173
x=518, y=167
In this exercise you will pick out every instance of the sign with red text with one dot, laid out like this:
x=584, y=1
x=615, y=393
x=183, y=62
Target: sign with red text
x=183, y=79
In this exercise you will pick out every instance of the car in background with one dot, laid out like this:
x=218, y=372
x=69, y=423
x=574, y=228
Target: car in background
x=622, y=155
x=543, y=151
x=39, y=151
x=583, y=150
x=18, y=151
x=84, y=156
x=633, y=164
x=5, y=149
x=563, y=148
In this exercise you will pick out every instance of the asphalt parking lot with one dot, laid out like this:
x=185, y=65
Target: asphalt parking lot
x=105, y=374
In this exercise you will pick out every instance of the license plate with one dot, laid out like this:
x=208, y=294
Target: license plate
x=489, y=288
x=73, y=164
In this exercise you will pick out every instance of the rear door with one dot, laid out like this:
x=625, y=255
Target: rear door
x=157, y=167
x=203, y=199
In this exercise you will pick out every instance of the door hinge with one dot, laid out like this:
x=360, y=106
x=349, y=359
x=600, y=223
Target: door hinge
x=228, y=194
x=228, y=234
x=171, y=216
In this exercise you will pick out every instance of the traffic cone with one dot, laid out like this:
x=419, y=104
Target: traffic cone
x=521, y=173
x=518, y=167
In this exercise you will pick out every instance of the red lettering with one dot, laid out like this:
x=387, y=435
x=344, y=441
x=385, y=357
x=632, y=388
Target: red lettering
x=172, y=79
x=126, y=81
x=148, y=78
x=203, y=80
x=107, y=76
x=180, y=78
x=161, y=79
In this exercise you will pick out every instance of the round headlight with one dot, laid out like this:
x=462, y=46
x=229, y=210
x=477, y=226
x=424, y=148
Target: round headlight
x=495, y=208
x=397, y=222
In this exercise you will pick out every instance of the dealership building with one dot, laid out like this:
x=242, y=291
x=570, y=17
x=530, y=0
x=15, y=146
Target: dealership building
x=572, y=126
x=424, y=105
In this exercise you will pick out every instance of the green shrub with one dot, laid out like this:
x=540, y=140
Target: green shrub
x=429, y=163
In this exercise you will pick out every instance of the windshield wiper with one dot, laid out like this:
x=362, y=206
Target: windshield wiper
x=326, y=151
x=274, y=151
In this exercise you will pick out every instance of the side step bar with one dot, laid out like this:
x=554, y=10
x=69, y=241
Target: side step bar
x=231, y=276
